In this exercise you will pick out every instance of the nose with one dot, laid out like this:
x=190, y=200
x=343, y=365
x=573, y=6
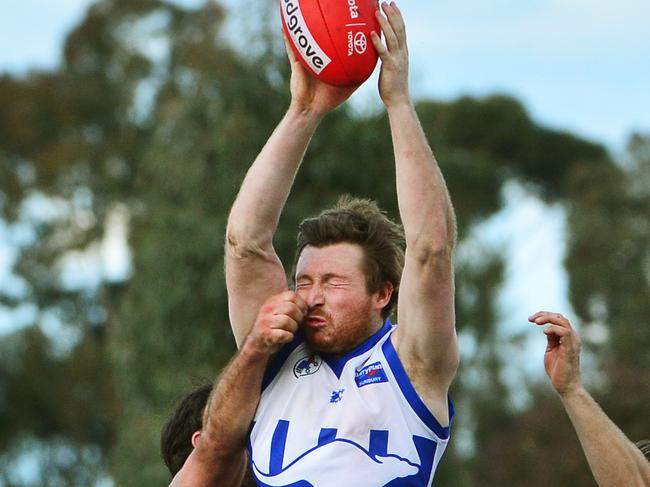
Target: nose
x=315, y=297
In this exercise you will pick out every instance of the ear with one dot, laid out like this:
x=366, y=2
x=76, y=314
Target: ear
x=384, y=295
x=195, y=438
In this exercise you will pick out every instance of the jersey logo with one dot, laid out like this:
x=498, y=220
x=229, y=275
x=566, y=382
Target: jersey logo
x=370, y=374
x=372, y=467
x=337, y=395
x=307, y=366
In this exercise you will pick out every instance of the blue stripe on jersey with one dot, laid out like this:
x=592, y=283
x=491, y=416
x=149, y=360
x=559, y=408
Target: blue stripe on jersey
x=411, y=395
x=378, y=443
x=326, y=435
x=300, y=483
x=278, y=443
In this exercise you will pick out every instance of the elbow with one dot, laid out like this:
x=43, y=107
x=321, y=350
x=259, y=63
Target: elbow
x=435, y=245
x=241, y=245
x=433, y=253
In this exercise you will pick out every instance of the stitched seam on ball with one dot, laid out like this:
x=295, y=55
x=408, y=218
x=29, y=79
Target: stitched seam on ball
x=334, y=45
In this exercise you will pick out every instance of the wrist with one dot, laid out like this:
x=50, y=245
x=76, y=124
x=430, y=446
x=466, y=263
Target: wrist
x=304, y=115
x=572, y=391
x=253, y=353
x=401, y=105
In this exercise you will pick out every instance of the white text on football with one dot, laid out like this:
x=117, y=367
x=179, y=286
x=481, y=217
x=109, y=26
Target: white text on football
x=302, y=38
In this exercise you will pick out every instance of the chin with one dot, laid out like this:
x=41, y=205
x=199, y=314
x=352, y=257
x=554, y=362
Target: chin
x=318, y=342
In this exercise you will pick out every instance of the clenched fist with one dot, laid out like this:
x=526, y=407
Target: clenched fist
x=276, y=323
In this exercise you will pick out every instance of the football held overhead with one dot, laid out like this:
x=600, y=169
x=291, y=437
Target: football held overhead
x=332, y=38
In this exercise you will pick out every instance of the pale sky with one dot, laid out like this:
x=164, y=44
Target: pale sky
x=582, y=65
x=577, y=64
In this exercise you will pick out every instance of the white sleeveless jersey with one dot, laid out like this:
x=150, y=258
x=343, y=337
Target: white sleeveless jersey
x=355, y=421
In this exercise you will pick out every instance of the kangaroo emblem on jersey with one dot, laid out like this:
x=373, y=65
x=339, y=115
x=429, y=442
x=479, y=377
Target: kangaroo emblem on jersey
x=372, y=472
x=307, y=366
x=320, y=466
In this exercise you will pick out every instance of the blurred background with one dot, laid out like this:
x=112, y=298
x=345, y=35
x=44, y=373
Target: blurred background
x=126, y=128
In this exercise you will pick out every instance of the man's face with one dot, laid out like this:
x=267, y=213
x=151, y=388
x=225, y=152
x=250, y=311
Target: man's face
x=342, y=313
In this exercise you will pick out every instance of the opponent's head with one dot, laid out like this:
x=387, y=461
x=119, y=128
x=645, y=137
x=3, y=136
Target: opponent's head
x=355, y=241
x=644, y=446
x=180, y=433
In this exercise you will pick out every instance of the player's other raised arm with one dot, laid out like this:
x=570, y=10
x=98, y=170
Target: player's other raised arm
x=426, y=336
x=253, y=270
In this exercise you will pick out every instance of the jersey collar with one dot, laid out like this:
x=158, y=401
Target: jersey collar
x=337, y=364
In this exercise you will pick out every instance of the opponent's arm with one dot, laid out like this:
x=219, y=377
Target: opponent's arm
x=219, y=459
x=426, y=335
x=253, y=270
x=614, y=460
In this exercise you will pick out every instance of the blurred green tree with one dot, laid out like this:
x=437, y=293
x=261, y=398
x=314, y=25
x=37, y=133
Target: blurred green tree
x=609, y=264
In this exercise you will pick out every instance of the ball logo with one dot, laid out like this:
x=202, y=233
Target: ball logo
x=306, y=366
x=302, y=38
x=354, y=9
x=360, y=43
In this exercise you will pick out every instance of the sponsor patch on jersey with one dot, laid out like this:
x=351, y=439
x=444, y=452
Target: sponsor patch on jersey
x=307, y=366
x=370, y=374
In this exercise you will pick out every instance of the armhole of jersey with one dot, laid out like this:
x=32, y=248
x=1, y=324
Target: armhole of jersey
x=411, y=395
x=249, y=444
x=279, y=359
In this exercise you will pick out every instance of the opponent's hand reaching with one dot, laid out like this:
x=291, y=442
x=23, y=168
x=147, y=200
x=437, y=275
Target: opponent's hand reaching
x=276, y=323
x=311, y=95
x=393, y=78
x=562, y=357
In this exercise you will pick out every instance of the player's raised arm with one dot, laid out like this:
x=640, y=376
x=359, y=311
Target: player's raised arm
x=253, y=269
x=613, y=458
x=426, y=336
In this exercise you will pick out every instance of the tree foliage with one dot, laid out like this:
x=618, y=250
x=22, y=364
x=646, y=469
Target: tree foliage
x=154, y=114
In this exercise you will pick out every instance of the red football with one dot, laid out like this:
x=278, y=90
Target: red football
x=332, y=37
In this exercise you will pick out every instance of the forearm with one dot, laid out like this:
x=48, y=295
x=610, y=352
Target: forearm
x=424, y=202
x=427, y=336
x=613, y=458
x=233, y=402
x=219, y=458
x=204, y=470
x=256, y=211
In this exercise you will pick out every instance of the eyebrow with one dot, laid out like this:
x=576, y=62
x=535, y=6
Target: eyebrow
x=325, y=277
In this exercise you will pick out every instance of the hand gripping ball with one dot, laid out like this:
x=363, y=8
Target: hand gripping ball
x=331, y=38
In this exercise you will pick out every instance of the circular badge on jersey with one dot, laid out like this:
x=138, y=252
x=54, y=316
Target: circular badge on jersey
x=307, y=366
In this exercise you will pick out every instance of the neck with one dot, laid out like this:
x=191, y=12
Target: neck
x=372, y=329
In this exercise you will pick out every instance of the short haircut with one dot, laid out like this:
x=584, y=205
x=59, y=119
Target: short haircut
x=176, y=435
x=644, y=446
x=360, y=221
